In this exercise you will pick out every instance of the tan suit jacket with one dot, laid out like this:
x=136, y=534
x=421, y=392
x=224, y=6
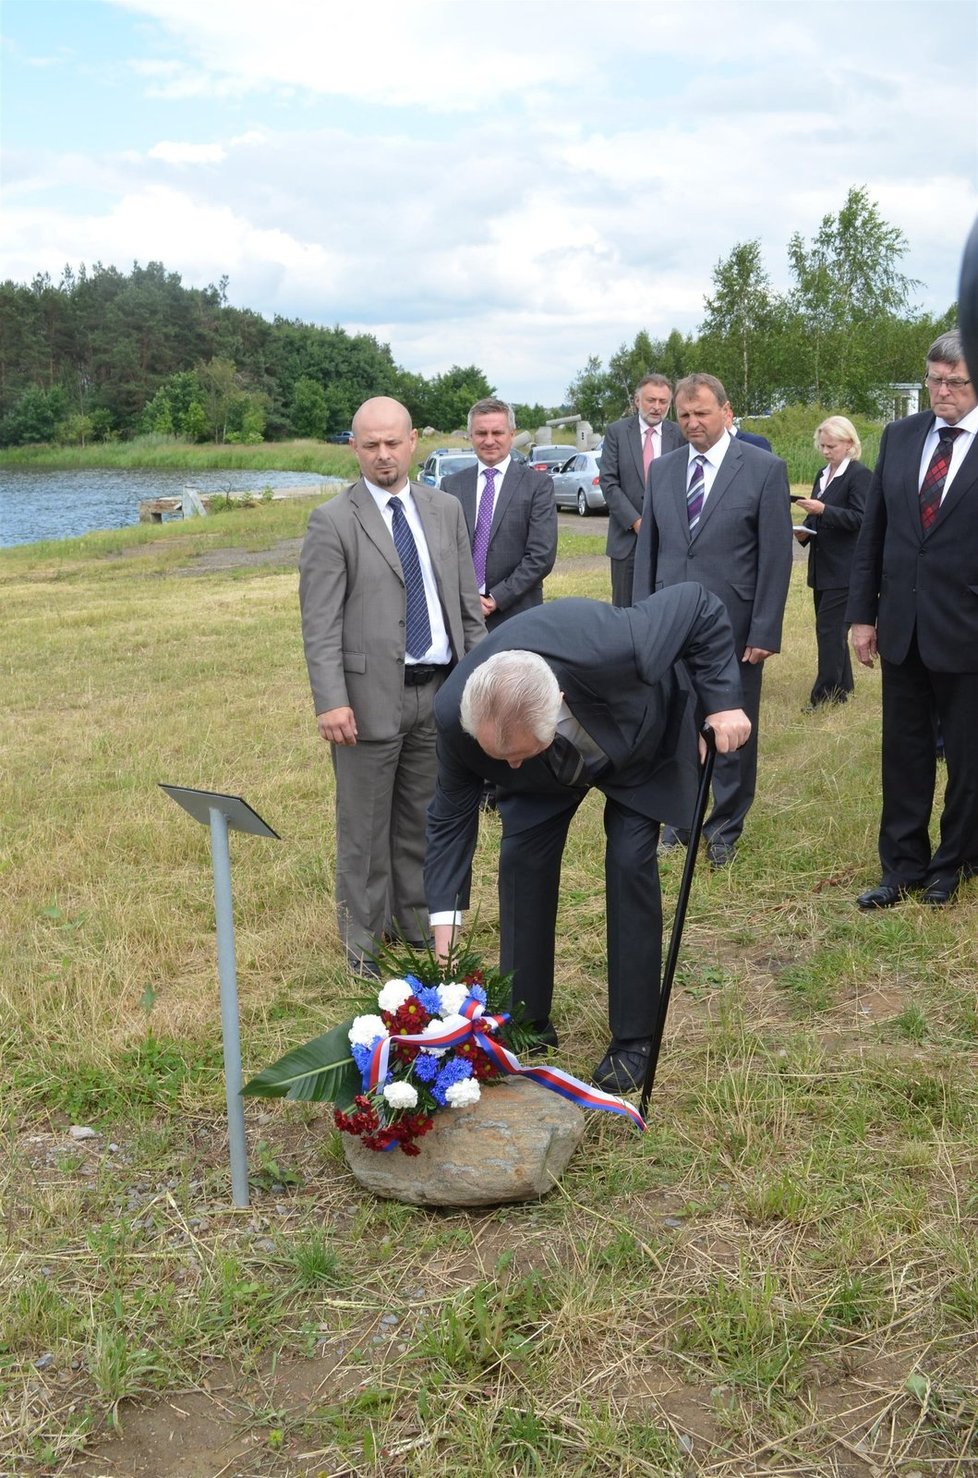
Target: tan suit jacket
x=353, y=603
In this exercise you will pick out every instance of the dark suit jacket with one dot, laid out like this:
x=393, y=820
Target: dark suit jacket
x=353, y=602
x=753, y=439
x=903, y=579
x=741, y=548
x=616, y=670
x=836, y=530
x=622, y=479
x=523, y=539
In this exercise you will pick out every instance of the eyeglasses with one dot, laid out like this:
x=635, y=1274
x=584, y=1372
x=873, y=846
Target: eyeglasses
x=953, y=382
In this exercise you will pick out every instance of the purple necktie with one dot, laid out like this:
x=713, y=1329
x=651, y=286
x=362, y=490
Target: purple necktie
x=695, y=492
x=936, y=475
x=483, y=525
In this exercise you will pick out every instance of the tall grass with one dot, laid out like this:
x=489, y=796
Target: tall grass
x=780, y=1277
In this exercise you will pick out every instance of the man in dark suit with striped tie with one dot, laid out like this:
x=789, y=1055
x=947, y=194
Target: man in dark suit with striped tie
x=913, y=600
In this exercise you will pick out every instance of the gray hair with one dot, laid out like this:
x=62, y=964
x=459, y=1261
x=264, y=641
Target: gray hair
x=843, y=430
x=490, y=406
x=511, y=693
x=654, y=379
x=691, y=383
x=946, y=348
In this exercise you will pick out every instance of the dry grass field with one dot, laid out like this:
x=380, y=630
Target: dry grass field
x=779, y=1278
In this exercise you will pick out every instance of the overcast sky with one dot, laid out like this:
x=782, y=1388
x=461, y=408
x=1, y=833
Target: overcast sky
x=515, y=185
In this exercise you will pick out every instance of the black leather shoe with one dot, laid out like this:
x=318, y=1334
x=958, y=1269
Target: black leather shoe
x=884, y=895
x=622, y=1068
x=940, y=893
x=546, y=1039
x=720, y=854
x=670, y=838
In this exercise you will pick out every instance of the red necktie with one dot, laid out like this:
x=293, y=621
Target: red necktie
x=936, y=475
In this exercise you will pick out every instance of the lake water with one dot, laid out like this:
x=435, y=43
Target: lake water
x=61, y=505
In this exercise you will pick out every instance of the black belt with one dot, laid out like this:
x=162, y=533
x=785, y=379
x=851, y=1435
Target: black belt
x=418, y=673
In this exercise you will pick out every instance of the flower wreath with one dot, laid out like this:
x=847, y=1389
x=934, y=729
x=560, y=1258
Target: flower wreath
x=431, y=1044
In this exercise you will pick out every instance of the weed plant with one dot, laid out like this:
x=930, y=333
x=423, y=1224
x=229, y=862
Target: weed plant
x=780, y=1277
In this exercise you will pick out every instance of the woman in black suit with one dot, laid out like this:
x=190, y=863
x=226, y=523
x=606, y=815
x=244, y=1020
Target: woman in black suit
x=834, y=513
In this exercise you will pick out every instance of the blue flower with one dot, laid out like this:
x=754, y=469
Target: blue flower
x=456, y=1070
x=426, y=1068
x=478, y=994
x=429, y=998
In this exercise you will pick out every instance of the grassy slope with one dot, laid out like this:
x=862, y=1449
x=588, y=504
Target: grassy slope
x=784, y=1271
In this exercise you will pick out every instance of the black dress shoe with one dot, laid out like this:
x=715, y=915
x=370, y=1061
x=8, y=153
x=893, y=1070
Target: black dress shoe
x=622, y=1068
x=885, y=895
x=940, y=893
x=720, y=854
x=546, y=1039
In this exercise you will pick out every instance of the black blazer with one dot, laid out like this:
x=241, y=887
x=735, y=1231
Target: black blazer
x=837, y=529
x=616, y=670
x=904, y=580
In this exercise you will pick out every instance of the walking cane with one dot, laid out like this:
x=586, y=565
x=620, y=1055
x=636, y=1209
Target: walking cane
x=695, y=831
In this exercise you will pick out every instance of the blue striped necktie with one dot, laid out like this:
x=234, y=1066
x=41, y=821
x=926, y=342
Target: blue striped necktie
x=418, y=626
x=695, y=493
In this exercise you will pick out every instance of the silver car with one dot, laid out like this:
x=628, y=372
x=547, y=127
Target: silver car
x=443, y=463
x=577, y=484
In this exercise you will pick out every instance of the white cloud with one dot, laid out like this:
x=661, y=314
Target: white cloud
x=171, y=152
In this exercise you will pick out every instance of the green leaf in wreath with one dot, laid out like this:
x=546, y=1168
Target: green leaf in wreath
x=321, y=1071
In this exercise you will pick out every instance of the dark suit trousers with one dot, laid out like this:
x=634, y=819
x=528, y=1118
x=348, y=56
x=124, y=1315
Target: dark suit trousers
x=529, y=885
x=735, y=775
x=622, y=579
x=914, y=700
x=833, y=682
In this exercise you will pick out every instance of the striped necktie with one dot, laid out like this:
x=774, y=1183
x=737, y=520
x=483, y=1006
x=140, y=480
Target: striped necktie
x=936, y=476
x=418, y=626
x=483, y=527
x=695, y=493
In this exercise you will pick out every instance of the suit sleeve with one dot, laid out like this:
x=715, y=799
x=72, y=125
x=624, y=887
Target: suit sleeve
x=867, y=562
x=322, y=593
x=540, y=547
x=453, y=826
x=473, y=626
x=774, y=545
x=647, y=546
x=687, y=623
x=849, y=515
x=620, y=506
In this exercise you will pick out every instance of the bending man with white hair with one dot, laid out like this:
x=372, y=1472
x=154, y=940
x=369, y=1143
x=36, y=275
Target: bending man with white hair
x=571, y=696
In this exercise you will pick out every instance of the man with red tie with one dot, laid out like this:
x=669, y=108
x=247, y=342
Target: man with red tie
x=631, y=445
x=913, y=599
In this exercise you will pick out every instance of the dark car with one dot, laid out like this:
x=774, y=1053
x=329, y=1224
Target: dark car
x=341, y=438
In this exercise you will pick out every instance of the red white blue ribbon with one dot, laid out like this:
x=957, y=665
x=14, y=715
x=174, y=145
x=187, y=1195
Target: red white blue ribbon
x=480, y=1026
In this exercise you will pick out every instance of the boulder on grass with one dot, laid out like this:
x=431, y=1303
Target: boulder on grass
x=513, y=1145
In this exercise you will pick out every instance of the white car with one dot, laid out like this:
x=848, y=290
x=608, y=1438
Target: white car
x=577, y=484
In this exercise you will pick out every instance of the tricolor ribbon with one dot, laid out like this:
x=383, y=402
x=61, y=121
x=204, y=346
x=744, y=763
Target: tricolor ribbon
x=480, y=1026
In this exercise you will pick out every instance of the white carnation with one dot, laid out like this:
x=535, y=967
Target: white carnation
x=365, y=1031
x=451, y=997
x=460, y=1095
x=401, y=1095
x=393, y=995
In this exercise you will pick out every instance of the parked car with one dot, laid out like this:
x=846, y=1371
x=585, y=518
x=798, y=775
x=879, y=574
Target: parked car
x=443, y=463
x=341, y=438
x=547, y=458
x=577, y=484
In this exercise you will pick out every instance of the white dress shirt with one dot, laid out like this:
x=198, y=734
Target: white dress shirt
x=440, y=651
x=711, y=462
x=960, y=447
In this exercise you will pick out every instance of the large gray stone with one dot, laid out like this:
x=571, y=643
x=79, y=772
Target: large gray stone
x=513, y=1145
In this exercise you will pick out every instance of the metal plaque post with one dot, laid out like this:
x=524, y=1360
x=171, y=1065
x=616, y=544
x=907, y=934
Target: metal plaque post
x=221, y=813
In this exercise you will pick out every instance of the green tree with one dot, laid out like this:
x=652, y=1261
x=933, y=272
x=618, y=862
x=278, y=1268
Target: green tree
x=308, y=409
x=592, y=394
x=452, y=393
x=735, y=336
x=193, y=422
x=157, y=418
x=847, y=290
x=219, y=384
